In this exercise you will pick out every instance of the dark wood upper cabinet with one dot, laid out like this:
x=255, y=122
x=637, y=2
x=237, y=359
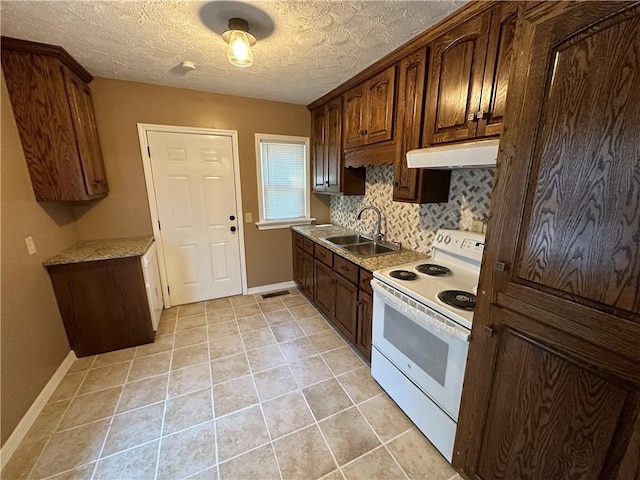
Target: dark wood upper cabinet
x=456, y=73
x=354, y=106
x=318, y=149
x=552, y=386
x=415, y=185
x=380, y=91
x=329, y=173
x=369, y=110
x=52, y=105
x=500, y=56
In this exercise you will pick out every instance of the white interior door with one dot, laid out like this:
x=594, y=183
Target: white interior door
x=195, y=193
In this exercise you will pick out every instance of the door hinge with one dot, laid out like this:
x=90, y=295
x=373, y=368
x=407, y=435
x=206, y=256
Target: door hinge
x=159, y=227
x=149, y=151
x=168, y=289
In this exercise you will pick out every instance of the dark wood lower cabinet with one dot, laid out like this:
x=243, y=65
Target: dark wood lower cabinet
x=365, y=319
x=303, y=271
x=324, y=289
x=337, y=287
x=103, y=304
x=345, y=311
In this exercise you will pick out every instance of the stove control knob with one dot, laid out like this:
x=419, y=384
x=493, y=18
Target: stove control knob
x=439, y=238
x=447, y=240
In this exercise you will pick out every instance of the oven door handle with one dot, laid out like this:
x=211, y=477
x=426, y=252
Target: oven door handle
x=419, y=313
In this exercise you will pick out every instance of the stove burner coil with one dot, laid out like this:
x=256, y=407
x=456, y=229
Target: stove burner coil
x=403, y=275
x=433, y=270
x=458, y=299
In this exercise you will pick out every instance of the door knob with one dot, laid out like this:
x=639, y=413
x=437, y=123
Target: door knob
x=233, y=229
x=232, y=217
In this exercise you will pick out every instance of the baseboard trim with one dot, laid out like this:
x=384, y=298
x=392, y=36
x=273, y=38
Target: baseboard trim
x=270, y=288
x=10, y=446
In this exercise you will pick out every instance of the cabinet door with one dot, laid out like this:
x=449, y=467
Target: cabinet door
x=354, y=102
x=411, y=82
x=39, y=99
x=455, y=81
x=298, y=275
x=365, y=319
x=307, y=274
x=380, y=96
x=552, y=387
x=324, y=289
x=84, y=123
x=346, y=307
x=333, y=144
x=318, y=149
x=500, y=56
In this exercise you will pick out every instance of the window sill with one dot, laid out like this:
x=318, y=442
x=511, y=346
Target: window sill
x=273, y=224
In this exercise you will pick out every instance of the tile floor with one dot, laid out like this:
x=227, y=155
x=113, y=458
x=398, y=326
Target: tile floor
x=236, y=388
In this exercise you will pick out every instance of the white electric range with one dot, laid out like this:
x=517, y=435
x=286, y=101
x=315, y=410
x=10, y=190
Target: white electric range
x=422, y=316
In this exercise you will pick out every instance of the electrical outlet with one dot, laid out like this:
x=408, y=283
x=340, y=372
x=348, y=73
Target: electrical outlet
x=477, y=226
x=31, y=247
x=248, y=217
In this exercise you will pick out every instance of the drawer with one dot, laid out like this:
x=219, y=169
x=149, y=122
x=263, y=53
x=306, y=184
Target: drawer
x=324, y=255
x=298, y=240
x=308, y=245
x=345, y=268
x=365, y=281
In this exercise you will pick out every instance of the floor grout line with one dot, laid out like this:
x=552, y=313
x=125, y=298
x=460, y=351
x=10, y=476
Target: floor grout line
x=264, y=417
x=213, y=401
x=166, y=393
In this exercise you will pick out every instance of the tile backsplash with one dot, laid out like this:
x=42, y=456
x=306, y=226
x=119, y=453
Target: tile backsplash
x=416, y=225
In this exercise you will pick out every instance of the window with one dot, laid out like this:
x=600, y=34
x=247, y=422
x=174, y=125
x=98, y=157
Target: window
x=283, y=180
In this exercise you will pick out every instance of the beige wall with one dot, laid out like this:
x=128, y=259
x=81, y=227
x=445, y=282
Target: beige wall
x=121, y=105
x=33, y=338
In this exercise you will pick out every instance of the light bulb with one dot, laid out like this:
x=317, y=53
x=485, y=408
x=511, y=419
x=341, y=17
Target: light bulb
x=239, y=52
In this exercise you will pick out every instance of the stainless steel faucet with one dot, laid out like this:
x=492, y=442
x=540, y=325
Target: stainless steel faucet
x=377, y=236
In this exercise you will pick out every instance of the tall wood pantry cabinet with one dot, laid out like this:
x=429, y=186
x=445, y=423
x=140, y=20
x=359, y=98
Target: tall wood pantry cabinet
x=552, y=386
x=52, y=105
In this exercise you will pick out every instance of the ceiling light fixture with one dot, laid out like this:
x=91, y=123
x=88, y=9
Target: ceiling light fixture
x=240, y=42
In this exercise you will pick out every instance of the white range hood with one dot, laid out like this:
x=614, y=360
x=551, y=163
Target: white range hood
x=480, y=154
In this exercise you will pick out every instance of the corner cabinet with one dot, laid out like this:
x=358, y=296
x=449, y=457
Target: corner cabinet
x=52, y=105
x=552, y=384
x=469, y=76
x=329, y=173
x=414, y=185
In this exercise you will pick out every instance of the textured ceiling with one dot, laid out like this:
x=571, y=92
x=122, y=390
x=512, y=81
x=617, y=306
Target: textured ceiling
x=304, y=49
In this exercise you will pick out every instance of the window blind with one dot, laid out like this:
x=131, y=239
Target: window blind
x=284, y=180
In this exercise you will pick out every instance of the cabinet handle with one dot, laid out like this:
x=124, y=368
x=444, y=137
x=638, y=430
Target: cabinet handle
x=501, y=266
x=364, y=132
x=233, y=229
x=395, y=184
x=344, y=269
x=471, y=117
x=481, y=114
x=327, y=183
x=488, y=331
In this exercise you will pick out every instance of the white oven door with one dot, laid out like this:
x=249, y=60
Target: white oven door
x=428, y=348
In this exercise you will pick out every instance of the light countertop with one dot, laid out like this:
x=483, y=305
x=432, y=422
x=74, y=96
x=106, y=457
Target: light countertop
x=316, y=233
x=107, y=249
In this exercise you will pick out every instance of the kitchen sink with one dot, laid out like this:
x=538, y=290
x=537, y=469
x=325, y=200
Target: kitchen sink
x=348, y=239
x=361, y=246
x=368, y=249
